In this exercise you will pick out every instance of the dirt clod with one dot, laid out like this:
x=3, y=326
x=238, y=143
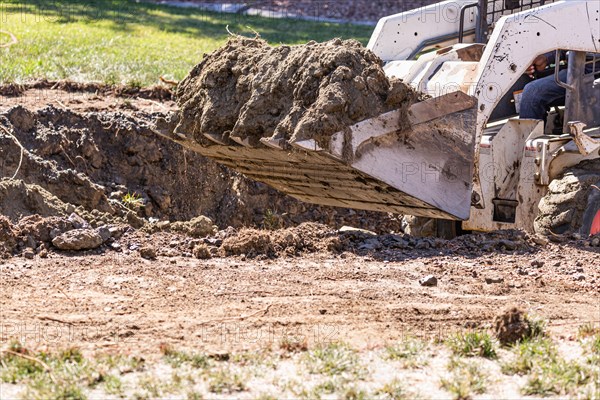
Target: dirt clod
x=78, y=239
x=251, y=90
x=512, y=326
x=148, y=252
x=429, y=281
x=202, y=252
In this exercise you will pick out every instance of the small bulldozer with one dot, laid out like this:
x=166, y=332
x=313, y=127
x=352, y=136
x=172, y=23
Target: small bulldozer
x=467, y=161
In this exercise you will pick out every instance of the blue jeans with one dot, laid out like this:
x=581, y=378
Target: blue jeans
x=539, y=95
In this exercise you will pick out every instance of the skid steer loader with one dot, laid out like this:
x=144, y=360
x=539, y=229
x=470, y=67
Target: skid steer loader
x=466, y=158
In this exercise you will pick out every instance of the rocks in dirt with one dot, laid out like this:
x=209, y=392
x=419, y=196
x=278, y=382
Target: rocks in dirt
x=202, y=252
x=248, y=242
x=512, y=326
x=148, y=252
x=491, y=280
x=537, y=263
x=78, y=239
x=291, y=241
x=21, y=118
x=428, y=281
x=75, y=161
x=18, y=199
x=7, y=237
x=197, y=227
x=249, y=90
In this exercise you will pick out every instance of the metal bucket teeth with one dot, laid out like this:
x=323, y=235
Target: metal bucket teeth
x=249, y=141
x=222, y=139
x=307, y=144
x=279, y=144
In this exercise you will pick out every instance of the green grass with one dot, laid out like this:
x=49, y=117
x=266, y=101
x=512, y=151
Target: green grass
x=472, y=344
x=529, y=353
x=177, y=358
x=465, y=380
x=332, y=360
x=411, y=353
x=548, y=373
x=393, y=390
x=224, y=380
x=130, y=43
x=564, y=378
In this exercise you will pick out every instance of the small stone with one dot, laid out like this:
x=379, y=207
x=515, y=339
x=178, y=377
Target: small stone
x=29, y=254
x=148, y=252
x=423, y=245
x=214, y=242
x=78, y=239
x=540, y=240
x=78, y=222
x=116, y=231
x=370, y=244
x=537, y=263
x=202, y=252
x=428, y=281
x=104, y=233
x=595, y=242
x=579, y=277
x=490, y=280
x=43, y=253
x=507, y=244
x=107, y=309
x=322, y=311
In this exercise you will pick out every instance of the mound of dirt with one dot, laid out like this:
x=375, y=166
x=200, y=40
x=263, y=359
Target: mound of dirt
x=88, y=162
x=292, y=241
x=249, y=90
x=19, y=199
x=512, y=326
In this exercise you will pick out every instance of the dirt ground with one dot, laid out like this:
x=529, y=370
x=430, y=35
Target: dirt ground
x=116, y=300
x=176, y=279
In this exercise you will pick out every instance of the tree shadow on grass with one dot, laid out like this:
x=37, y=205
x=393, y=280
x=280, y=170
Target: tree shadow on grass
x=123, y=16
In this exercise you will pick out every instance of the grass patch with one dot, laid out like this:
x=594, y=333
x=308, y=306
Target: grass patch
x=132, y=43
x=293, y=344
x=133, y=201
x=563, y=378
x=62, y=375
x=588, y=330
x=410, y=353
x=224, y=380
x=354, y=393
x=393, y=390
x=113, y=385
x=333, y=359
x=176, y=358
x=529, y=353
x=466, y=379
x=549, y=374
x=472, y=344
x=592, y=347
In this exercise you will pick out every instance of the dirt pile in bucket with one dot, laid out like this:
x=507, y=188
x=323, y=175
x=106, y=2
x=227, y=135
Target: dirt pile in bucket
x=248, y=89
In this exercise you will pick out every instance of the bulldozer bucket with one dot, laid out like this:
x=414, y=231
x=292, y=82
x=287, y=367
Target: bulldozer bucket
x=423, y=166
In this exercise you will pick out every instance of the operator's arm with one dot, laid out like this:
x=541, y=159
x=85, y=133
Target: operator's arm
x=541, y=62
